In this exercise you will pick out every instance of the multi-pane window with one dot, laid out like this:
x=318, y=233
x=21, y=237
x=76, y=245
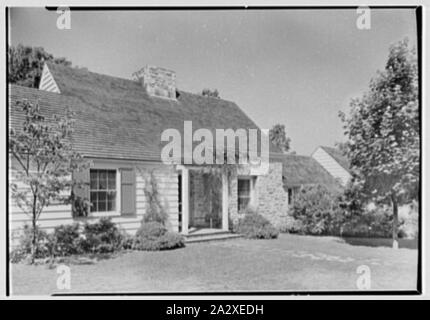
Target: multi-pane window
x=103, y=190
x=243, y=194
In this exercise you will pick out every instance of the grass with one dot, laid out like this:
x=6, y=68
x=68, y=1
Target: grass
x=289, y=263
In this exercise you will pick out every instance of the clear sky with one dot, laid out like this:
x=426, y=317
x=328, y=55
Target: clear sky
x=294, y=67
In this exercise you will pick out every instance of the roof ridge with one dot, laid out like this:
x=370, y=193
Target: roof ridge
x=84, y=69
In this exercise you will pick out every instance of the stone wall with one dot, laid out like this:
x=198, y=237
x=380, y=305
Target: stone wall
x=271, y=196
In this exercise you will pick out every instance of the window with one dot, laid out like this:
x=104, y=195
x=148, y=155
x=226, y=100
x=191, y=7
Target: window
x=291, y=194
x=243, y=194
x=103, y=190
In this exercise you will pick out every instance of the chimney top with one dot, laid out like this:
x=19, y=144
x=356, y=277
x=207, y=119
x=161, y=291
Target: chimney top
x=159, y=82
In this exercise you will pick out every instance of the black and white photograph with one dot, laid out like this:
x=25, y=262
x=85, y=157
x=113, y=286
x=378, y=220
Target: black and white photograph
x=213, y=150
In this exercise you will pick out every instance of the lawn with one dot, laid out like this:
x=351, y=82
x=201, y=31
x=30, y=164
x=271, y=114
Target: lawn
x=289, y=263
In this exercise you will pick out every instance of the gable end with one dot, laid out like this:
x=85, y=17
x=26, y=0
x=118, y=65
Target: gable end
x=47, y=81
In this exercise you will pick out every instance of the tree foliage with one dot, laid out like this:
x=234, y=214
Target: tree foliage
x=383, y=131
x=278, y=137
x=318, y=210
x=25, y=64
x=44, y=158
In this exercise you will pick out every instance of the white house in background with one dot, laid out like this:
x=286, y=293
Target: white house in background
x=334, y=162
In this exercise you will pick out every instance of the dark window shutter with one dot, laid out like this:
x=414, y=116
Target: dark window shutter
x=128, y=191
x=81, y=193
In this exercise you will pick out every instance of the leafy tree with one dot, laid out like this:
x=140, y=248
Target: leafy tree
x=383, y=130
x=278, y=137
x=342, y=147
x=25, y=64
x=42, y=151
x=210, y=93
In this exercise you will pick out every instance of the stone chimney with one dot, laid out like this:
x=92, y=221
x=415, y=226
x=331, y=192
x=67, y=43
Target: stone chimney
x=157, y=81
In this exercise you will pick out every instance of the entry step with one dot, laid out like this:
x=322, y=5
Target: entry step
x=213, y=236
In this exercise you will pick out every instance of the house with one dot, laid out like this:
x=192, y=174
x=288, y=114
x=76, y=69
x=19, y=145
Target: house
x=299, y=171
x=118, y=125
x=332, y=160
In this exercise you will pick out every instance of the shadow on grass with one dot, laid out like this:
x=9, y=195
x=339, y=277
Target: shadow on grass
x=381, y=242
x=83, y=259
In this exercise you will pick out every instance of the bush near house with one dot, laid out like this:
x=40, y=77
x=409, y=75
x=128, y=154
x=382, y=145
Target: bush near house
x=255, y=226
x=316, y=211
x=375, y=223
x=65, y=240
x=378, y=223
x=410, y=219
x=23, y=251
x=153, y=236
x=102, y=236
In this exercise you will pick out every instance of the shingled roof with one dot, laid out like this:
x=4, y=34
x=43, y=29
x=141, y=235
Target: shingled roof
x=303, y=170
x=116, y=118
x=337, y=155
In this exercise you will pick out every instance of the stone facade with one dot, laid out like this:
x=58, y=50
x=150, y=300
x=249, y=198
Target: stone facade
x=271, y=196
x=268, y=196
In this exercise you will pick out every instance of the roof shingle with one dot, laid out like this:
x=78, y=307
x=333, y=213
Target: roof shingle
x=303, y=170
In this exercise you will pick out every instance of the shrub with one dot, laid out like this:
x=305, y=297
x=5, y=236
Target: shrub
x=101, y=237
x=23, y=250
x=65, y=240
x=410, y=219
x=255, y=226
x=151, y=230
x=17, y=255
x=375, y=223
x=316, y=211
x=127, y=241
x=295, y=226
x=153, y=236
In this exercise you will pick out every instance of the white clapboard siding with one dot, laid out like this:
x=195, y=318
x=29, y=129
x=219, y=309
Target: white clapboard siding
x=167, y=183
x=60, y=214
x=331, y=165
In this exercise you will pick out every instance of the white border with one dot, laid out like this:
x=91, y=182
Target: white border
x=425, y=152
